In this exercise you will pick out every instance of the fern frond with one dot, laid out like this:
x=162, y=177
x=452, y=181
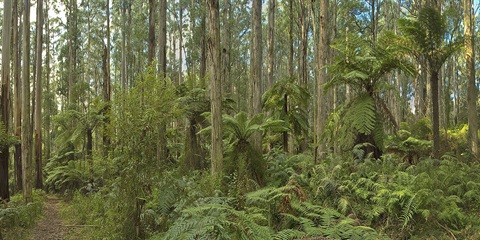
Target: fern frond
x=288, y=234
x=408, y=211
x=361, y=114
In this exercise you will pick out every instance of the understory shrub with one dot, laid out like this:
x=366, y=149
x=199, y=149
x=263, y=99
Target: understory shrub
x=16, y=216
x=434, y=198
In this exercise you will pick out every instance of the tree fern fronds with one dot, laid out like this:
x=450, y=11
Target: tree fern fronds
x=267, y=195
x=408, y=211
x=362, y=115
x=288, y=234
x=218, y=221
x=343, y=205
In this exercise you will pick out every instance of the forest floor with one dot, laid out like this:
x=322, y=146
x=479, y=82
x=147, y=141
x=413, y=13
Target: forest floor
x=51, y=226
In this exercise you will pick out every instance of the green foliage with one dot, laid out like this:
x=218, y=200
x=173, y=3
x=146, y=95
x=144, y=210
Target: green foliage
x=353, y=120
x=243, y=162
x=193, y=96
x=16, y=216
x=288, y=101
x=457, y=142
x=268, y=213
x=73, y=124
x=424, y=37
x=215, y=219
x=402, y=201
x=411, y=141
x=362, y=66
x=242, y=159
x=362, y=115
x=5, y=140
x=136, y=163
x=66, y=177
x=283, y=167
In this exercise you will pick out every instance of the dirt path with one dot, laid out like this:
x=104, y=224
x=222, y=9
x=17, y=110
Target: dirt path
x=50, y=227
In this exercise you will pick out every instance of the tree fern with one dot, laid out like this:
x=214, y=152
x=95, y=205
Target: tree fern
x=218, y=221
x=361, y=114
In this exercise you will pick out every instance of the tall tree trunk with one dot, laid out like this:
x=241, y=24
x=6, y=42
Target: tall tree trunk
x=420, y=108
x=162, y=38
x=434, y=78
x=290, y=40
x=375, y=7
x=71, y=60
x=123, y=68
x=130, y=58
x=26, y=125
x=180, y=44
x=441, y=103
x=151, y=31
x=203, y=55
x=228, y=47
x=272, y=6
x=302, y=73
x=47, y=85
x=321, y=75
x=162, y=68
x=255, y=94
x=5, y=98
x=38, y=97
x=107, y=92
x=215, y=88
x=472, y=91
x=18, y=98
x=303, y=62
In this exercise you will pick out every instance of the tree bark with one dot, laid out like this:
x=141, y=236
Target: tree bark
x=151, y=31
x=228, y=47
x=162, y=38
x=255, y=94
x=290, y=40
x=26, y=125
x=47, y=85
x=472, y=91
x=321, y=76
x=162, y=68
x=434, y=78
x=38, y=97
x=285, y=133
x=107, y=92
x=215, y=89
x=180, y=44
x=302, y=73
x=71, y=18
x=17, y=98
x=123, y=67
x=203, y=55
x=5, y=99
x=420, y=88
x=272, y=6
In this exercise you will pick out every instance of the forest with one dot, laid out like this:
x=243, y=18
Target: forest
x=239, y=119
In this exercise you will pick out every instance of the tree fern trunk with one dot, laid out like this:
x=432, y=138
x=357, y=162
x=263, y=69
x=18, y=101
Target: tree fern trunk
x=285, y=133
x=434, y=78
